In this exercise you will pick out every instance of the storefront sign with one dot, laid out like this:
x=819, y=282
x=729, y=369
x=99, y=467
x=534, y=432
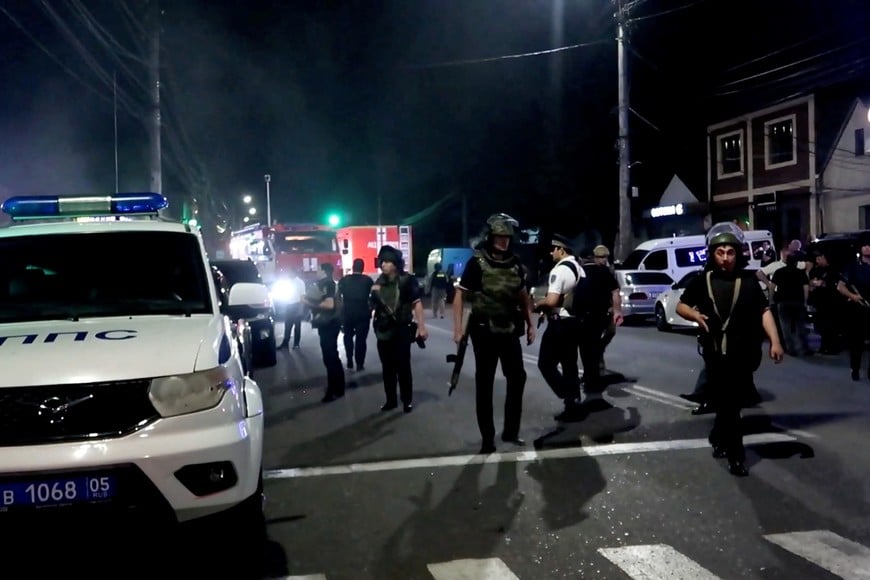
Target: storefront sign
x=666, y=210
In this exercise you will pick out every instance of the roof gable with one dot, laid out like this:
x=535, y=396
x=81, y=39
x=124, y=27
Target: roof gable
x=677, y=192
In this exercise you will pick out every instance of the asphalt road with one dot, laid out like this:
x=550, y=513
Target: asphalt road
x=630, y=492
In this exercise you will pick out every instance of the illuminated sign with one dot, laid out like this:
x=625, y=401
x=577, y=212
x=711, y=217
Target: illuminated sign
x=666, y=210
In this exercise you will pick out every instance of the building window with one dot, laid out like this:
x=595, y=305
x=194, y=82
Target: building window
x=860, y=142
x=730, y=154
x=780, y=146
x=864, y=217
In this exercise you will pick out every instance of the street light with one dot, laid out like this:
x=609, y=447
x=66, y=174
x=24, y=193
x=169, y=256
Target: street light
x=246, y=198
x=268, y=178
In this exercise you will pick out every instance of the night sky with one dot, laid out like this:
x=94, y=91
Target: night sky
x=412, y=100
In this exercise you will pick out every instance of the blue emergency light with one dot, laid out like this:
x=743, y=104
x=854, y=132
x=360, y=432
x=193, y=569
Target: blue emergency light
x=55, y=206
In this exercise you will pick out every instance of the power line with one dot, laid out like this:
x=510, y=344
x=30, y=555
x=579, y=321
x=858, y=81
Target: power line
x=127, y=102
x=795, y=63
x=506, y=56
x=662, y=13
x=54, y=58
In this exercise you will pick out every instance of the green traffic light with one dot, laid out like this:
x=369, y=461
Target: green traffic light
x=333, y=219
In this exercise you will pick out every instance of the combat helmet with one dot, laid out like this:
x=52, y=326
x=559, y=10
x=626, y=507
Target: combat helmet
x=725, y=233
x=728, y=234
x=388, y=253
x=501, y=224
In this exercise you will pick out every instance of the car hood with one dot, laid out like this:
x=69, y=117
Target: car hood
x=109, y=349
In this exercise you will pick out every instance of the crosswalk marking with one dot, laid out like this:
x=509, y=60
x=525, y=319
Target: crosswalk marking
x=469, y=569
x=837, y=555
x=656, y=561
x=824, y=548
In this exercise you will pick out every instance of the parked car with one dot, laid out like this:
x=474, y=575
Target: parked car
x=639, y=291
x=123, y=392
x=666, y=304
x=255, y=326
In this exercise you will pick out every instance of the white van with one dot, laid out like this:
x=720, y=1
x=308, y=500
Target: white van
x=680, y=255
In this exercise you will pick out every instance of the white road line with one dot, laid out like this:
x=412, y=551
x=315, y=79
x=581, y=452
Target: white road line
x=673, y=400
x=514, y=457
x=484, y=569
x=660, y=397
x=834, y=553
x=656, y=561
x=306, y=577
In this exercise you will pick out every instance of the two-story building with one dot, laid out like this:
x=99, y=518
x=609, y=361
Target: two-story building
x=777, y=169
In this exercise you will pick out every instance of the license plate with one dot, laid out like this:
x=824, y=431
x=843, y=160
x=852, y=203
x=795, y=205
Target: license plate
x=57, y=491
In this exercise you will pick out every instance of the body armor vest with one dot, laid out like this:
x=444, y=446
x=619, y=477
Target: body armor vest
x=497, y=304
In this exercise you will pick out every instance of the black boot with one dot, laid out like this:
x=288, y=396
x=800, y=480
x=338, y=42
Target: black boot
x=737, y=467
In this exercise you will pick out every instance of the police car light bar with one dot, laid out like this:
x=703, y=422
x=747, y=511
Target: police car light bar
x=54, y=206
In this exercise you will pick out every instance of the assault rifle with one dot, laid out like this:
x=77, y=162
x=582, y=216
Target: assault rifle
x=378, y=304
x=458, y=358
x=851, y=287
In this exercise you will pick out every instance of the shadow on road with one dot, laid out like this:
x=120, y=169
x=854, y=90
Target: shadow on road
x=337, y=444
x=467, y=522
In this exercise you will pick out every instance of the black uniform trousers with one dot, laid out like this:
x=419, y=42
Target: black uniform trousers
x=292, y=320
x=559, y=347
x=792, y=322
x=729, y=381
x=857, y=329
x=395, y=355
x=332, y=362
x=356, y=331
x=490, y=349
x=591, y=328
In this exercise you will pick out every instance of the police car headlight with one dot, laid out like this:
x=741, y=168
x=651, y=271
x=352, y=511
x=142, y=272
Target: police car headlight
x=189, y=393
x=283, y=291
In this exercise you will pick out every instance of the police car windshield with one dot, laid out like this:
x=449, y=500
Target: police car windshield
x=83, y=275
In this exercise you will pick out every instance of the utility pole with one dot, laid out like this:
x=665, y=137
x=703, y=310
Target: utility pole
x=115, y=116
x=268, y=178
x=154, y=84
x=623, y=234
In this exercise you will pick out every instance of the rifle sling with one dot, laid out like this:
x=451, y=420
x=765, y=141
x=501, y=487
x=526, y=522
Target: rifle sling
x=727, y=319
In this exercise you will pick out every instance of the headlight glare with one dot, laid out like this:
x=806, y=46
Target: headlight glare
x=283, y=291
x=189, y=393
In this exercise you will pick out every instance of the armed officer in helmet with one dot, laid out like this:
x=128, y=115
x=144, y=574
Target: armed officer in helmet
x=398, y=322
x=733, y=317
x=493, y=283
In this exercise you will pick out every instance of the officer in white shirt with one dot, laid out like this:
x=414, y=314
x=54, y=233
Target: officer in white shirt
x=560, y=341
x=295, y=310
x=765, y=274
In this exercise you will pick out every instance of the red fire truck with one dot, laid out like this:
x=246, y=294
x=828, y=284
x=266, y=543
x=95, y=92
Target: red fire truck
x=275, y=250
x=365, y=241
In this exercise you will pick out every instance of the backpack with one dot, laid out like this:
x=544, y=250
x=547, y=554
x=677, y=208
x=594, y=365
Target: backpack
x=576, y=300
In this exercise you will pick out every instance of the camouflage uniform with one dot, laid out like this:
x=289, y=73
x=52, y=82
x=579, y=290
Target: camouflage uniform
x=494, y=284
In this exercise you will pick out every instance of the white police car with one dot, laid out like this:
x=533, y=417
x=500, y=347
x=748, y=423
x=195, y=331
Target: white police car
x=122, y=388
